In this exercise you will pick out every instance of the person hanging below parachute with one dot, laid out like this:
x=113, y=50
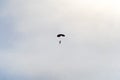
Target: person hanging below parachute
x=59, y=36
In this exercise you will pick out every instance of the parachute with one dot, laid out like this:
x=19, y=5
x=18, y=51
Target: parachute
x=60, y=35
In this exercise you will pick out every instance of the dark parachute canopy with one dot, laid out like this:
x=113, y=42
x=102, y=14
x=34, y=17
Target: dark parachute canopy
x=60, y=35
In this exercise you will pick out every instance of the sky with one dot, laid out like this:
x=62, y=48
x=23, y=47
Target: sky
x=29, y=48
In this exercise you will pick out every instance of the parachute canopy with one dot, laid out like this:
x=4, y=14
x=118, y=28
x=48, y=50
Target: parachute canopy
x=60, y=35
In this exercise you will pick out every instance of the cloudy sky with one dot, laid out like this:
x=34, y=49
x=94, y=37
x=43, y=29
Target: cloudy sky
x=29, y=48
